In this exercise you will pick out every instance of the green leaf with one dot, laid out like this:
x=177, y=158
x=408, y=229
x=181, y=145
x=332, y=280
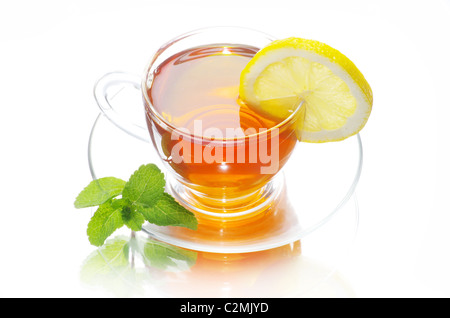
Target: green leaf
x=143, y=198
x=132, y=218
x=161, y=255
x=145, y=186
x=99, y=191
x=104, y=222
x=167, y=211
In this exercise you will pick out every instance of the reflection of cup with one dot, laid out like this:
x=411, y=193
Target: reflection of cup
x=210, y=173
x=280, y=272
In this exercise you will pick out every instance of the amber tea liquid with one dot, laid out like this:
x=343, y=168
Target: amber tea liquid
x=224, y=153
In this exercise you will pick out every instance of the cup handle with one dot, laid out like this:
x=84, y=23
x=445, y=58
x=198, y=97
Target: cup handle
x=102, y=90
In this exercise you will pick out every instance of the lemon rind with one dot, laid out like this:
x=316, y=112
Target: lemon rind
x=321, y=53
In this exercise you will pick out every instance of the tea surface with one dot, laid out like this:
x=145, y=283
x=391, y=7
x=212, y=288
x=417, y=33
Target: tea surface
x=203, y=84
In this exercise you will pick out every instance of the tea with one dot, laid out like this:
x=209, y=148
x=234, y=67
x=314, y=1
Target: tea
x=222, y=152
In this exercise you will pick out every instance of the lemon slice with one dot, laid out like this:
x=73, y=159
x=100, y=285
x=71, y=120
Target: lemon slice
x=336, y=97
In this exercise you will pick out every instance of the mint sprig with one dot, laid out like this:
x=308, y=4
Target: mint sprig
x=142, y=199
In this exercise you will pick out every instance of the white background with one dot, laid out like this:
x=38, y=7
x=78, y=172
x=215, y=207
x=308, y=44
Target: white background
x=52, y=52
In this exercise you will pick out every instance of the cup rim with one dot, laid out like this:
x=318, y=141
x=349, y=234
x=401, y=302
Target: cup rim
x=179, y=130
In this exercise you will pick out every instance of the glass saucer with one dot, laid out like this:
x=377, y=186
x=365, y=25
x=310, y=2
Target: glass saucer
x=318, y=181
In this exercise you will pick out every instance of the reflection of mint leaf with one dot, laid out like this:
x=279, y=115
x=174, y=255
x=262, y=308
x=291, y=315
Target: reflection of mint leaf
x=167, y=211
x=160, y=255
x=110, y=267
x=109, y=258
x=116, y=265
x=99, y=191
x=105, y=221
x=145, y=186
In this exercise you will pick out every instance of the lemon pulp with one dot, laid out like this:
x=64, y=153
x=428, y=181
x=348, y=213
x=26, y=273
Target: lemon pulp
x=336, y=97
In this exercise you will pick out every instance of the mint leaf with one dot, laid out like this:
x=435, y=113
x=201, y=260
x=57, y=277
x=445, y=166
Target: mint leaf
x=145, y=186
x=104, y=222
x=143, y=198
x=99, y=191
x=167, y=211
x=132, y=218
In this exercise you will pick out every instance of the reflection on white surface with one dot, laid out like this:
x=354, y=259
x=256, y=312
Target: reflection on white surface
x=175, y=272
x=137, y=265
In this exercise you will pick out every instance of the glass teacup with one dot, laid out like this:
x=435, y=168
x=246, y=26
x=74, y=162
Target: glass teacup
x=222, y=160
